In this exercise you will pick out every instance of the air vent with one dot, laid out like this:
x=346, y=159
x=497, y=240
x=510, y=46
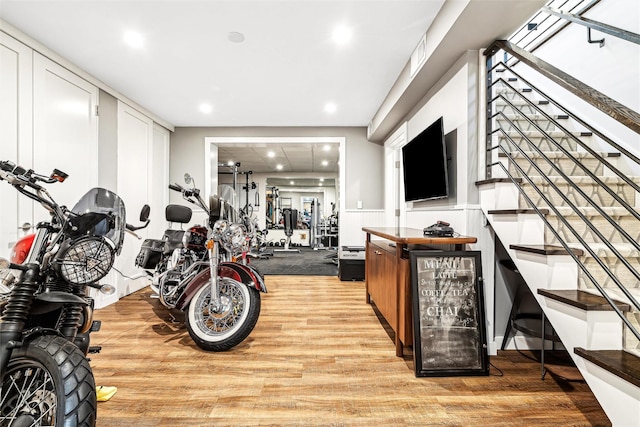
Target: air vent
x=419, y=56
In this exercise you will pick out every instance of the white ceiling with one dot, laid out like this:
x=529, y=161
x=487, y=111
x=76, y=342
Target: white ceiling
x=282, y=74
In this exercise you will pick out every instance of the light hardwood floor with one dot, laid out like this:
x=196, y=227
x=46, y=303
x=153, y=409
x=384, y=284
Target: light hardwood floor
x=319, y=356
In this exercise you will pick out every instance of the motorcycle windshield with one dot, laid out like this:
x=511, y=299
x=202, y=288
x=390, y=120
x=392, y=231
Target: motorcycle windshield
x=101, y=201
x=221, y=209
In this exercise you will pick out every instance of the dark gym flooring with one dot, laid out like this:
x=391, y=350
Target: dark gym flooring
x=307, y=261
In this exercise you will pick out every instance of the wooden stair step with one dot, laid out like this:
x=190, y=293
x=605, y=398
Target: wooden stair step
x=496, y=180
x=619, y=362
x=543, y=211
x=583, y=300
x=556, y=154
x=545, y=249
x=548, y=134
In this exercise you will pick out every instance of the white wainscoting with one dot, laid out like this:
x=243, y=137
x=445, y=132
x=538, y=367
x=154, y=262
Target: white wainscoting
x=352, y=221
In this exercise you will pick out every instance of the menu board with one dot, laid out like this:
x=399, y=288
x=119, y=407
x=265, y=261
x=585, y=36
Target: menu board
x=449, y=332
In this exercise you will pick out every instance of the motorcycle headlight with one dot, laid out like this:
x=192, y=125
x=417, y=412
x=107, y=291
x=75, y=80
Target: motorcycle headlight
x=85, y=260
x=235, y=238
x=219, y=229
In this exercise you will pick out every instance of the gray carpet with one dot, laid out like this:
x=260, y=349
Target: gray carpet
x=307, y=262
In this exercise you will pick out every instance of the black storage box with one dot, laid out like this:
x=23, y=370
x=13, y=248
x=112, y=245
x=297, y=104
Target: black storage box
x=351, y=263
x=351, y=269
x=150, y=254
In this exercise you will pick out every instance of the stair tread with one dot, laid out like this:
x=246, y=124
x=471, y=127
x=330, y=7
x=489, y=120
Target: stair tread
x=545, y=249
x=557, y=154
x=532, y=116
x=543, y=211
x=495, y=180
x=550, y=133
x=618, y=362
x=583, y=300
x=557, y=179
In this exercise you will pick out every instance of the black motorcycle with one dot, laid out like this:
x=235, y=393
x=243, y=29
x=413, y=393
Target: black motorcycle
x=46, y=316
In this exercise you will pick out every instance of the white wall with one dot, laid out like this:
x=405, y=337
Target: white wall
x=455, y=98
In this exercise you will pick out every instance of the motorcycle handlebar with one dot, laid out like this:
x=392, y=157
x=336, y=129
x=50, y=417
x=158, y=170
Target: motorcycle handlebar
x=187, y=193
x=18, y=175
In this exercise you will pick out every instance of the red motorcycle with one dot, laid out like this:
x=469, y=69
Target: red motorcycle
x=221, y=309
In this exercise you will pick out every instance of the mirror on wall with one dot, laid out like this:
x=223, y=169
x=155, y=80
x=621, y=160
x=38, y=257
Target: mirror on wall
x=307, y=196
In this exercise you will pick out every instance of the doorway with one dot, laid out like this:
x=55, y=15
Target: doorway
x=267, y=187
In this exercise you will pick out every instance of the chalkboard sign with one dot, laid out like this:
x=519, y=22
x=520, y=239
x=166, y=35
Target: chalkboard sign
x=449, y=335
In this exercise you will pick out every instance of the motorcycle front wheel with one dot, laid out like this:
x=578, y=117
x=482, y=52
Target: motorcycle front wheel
x=48, y=382
x=223, y=327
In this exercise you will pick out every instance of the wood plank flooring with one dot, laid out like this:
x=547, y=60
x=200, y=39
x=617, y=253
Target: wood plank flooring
x=319, y=356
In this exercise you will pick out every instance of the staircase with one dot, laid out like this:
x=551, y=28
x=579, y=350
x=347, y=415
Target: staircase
x=566, y=209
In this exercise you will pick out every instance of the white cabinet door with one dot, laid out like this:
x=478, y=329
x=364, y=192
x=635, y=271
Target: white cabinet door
x=65, y=130
x=15, y=134
x=159, y=184
x=135, y=141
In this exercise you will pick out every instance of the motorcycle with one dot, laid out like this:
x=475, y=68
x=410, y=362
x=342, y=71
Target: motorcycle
x=46, y=315
x=204, y=271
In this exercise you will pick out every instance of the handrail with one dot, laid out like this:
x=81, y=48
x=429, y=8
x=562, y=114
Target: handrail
x=544, y=35
x=595, y=25
x=613, y=108
x=513, y=100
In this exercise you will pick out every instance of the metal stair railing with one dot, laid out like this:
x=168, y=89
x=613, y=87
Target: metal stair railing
x=624, y=115
x=543, y=26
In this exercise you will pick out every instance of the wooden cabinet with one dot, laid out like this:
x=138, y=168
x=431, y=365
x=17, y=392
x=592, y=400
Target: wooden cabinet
x=380, y=275
x=388, y=274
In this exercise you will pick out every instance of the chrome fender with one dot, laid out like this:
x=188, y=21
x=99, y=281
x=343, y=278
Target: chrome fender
x=238, y=272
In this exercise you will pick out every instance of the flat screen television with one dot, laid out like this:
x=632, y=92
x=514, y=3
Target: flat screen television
x=424, y=161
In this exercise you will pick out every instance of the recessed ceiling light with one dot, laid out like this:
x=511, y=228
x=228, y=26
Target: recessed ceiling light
x=341, y=35
x=330, y=108
x=291, y=182
x=321, y=179
x=206, y=108
x=279, y=167
x=133, y=39
x=325, y=163
x=271, y=154
x=327, y=148
x=235, y=37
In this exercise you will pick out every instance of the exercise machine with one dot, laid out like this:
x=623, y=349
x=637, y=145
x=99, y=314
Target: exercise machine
x=322, y=229
x=290, y=217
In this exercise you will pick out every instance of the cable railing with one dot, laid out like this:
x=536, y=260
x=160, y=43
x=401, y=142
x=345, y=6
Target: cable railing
x=515, y=143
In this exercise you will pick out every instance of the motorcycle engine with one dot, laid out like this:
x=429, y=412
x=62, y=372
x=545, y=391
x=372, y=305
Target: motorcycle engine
x=179, y=261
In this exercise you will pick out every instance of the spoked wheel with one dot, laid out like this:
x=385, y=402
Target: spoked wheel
x=48, y=383
x=227, y=325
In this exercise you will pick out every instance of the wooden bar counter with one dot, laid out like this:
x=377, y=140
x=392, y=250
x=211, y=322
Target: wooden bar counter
x=388, y=273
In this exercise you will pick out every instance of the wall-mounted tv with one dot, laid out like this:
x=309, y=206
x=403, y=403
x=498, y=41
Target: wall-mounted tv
x=424, y=160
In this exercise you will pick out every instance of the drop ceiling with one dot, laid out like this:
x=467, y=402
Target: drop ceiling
x=293, y=159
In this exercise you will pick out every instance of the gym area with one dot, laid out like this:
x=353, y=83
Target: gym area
x=297, y=219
